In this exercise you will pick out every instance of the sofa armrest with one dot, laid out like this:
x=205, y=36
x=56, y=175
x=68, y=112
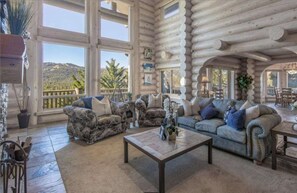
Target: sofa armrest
x=81, y=114
x=265, y=123
x=140, y=105
x=120, y=109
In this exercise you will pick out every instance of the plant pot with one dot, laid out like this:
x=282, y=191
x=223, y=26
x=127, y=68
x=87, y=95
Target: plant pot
x=172, y=137
x=24, y=118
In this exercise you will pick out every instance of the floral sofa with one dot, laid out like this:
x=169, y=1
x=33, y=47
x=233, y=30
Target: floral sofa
x=85, y=125
x=149, y=117
x=253, y=142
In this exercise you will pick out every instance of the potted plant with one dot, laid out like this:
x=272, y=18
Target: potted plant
x=244, y=83
x=18, y=15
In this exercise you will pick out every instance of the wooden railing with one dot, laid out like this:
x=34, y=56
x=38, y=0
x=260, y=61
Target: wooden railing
x=54, y=99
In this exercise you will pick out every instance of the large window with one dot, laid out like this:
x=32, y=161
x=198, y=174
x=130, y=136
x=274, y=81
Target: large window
x=114, y=75
x=292, y=80
x=114, y=20
x=63, y=74
x=222, y=79
x=170, y=80
x=272, y=81
x=66, y=15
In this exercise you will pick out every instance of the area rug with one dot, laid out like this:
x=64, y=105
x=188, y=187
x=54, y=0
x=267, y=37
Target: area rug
x=100, y=168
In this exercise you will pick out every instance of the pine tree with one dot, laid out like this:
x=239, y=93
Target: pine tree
x=114, y=76
x=80, y=81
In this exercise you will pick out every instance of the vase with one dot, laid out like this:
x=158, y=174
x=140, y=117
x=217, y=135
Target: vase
x=23, y=119
x=172, y=137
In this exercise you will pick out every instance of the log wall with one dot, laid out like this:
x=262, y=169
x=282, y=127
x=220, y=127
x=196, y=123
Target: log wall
x=237, y=26
x=146, y=30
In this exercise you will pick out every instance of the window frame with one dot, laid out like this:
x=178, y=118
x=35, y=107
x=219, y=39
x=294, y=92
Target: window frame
x=266, y=82
x=287, y=80
x=172, y=95
x=168, y=6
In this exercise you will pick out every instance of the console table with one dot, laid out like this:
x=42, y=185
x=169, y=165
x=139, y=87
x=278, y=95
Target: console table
x=286, y=130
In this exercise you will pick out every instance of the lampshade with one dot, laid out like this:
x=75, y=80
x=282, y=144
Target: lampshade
x=204, y=79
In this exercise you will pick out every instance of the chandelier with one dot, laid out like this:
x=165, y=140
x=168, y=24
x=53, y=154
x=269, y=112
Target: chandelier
x=291, y=68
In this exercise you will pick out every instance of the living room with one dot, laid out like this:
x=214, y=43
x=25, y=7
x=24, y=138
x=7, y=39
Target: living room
x=199, y=92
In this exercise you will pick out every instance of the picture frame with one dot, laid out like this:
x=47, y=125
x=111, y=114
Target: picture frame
x=148, y=67
x=148, y=53
x=148, y=79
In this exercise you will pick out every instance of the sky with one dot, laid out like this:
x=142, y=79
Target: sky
x=59, y=18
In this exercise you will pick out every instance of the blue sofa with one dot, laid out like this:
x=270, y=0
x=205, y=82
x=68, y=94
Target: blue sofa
x=253, y=142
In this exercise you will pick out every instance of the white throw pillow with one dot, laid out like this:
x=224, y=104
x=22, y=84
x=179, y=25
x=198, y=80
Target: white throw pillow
x=101, y=107
x=246, y=105
x=191, y=107
x=251, y=113
x=154, y=101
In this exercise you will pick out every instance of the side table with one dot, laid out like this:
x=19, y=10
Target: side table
x=285, y=129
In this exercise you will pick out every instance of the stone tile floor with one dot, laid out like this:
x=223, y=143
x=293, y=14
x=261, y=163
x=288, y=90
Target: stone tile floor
x=43, y=171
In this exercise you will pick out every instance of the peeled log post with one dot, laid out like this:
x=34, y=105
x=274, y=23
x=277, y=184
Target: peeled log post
x=277, y=34
x=220, y=45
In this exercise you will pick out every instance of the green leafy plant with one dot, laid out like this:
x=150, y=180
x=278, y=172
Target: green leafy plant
x=79, y=82
x=19, y=15
x=114, y=76
x=244, y=81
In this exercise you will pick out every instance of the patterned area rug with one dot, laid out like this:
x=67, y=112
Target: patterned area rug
x=99, y=168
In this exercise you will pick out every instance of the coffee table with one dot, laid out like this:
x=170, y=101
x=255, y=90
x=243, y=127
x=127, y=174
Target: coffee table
x=163, y=151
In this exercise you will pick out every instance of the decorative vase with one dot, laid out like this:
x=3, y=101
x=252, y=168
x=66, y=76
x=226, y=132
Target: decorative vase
x=172, y=137
x=23, y=119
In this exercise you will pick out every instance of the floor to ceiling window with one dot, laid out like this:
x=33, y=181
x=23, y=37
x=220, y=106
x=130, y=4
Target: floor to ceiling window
x=114, y=74
x=272, y=81
x=63, y=74
x=170, y=81
x=222, y=79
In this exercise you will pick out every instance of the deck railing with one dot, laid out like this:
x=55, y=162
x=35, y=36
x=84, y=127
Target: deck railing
x=54, y=99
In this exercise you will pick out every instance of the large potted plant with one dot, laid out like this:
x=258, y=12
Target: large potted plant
x=18, y=14
x=244, y=83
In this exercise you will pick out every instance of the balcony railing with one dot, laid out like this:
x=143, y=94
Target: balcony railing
x=54, y=99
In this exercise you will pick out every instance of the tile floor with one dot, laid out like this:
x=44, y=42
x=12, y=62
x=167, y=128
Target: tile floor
x=43, y=171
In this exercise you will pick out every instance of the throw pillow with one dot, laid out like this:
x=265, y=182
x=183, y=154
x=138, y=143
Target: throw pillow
x=101, y=107
x=236, y=119
x=154, y=101
x=209, y=112
x=246, y=105
x=251, y=113
x=227, y=113
x=191, y=107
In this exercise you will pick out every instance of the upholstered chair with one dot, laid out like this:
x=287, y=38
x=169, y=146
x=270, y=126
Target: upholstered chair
x=149, y=117
x=85, y=125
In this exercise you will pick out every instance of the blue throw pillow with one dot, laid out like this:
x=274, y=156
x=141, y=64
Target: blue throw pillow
x=209, y=112
x=236, y=119
x=227, y=113
x=88, y=101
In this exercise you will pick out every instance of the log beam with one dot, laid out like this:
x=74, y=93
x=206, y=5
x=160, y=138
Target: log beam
x=220, y=45
x=292, y=49
x=278, y=34
x=257, y=56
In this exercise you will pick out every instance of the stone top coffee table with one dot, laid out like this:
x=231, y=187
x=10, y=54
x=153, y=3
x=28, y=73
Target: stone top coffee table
x=150, y=143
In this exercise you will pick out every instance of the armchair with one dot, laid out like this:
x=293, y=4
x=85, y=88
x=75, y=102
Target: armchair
x=149, y=117
x=85, y=125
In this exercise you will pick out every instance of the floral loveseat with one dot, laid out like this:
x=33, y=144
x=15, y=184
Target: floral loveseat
x=253, y=142
x=149, y=117
x=85, y=125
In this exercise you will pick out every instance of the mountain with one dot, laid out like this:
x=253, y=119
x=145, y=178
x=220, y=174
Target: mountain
x=59, y=75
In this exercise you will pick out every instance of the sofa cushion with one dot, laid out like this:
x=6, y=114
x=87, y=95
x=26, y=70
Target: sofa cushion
x=109, y=120
x=236, y=119
x=191, y=107
x=209, y=125
x=155, y=101
x=88, y=101
x=232, y=134
x=251, y=113
x=209, y=112
x=222, y=106
x=101, y=107
x=155, y=113
x=187, y=120
x=246, y=105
